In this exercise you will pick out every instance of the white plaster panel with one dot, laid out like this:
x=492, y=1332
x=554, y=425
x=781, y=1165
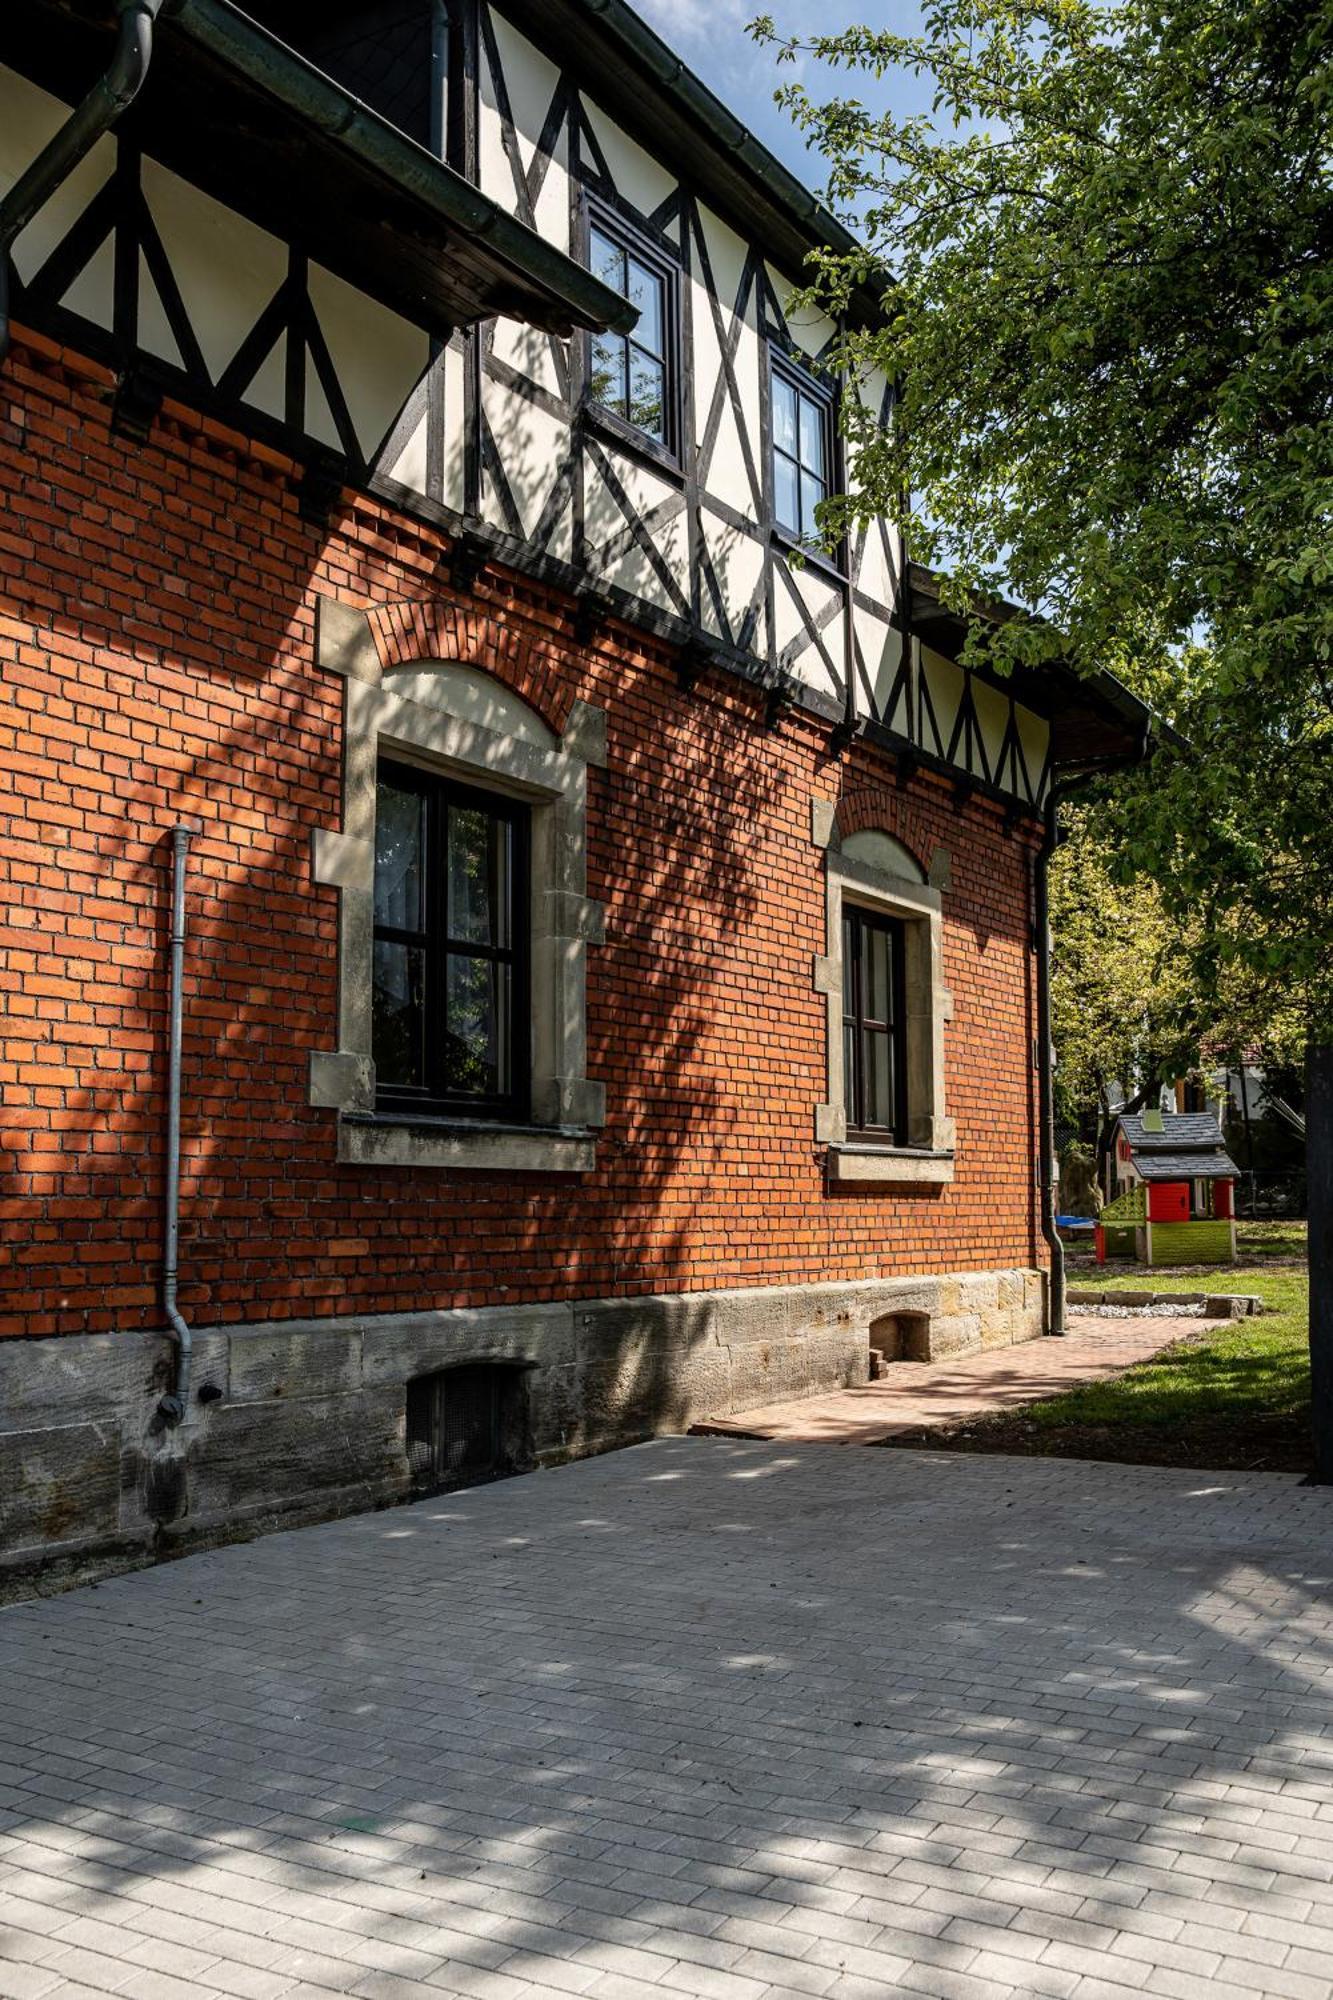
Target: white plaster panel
x=155, y=335
x=29, y=118
x=268, y=390
x=944, y=681
x=379, y=357
x=738, y=562
x=527, y=350
x=454, y=403
x=637, y=175
x=530, y=80
x=92, y=294
x=881, y=559
x=409, y=468
x=532, y=445
x=882, y=651
x=1035, y=735
x=810, y=329
x=992, y=709
x=727, y=475
x=319, y=422
x=225, y=269
x=645, y=490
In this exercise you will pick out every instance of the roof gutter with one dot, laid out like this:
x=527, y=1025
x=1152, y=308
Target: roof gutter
x=112, y=94
x=242, y=45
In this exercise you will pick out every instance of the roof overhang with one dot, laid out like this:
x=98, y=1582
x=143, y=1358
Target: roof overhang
x=621, y=62
x=234, y=111
x=1094, y=719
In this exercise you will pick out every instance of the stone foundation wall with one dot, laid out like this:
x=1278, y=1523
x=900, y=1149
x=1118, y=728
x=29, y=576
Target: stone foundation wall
x=307, y=1417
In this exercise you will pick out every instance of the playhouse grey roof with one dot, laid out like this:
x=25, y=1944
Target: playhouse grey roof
x=1212, y=1166
x=1189, y=1147
x=1182, y=1131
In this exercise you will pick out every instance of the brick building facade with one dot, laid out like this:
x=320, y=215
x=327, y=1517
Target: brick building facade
x=684, y=1218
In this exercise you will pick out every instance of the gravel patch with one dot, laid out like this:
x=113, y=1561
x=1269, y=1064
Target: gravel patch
x=1178, y=1309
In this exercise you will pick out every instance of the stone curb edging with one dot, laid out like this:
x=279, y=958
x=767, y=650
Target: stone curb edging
x=1216, y=1305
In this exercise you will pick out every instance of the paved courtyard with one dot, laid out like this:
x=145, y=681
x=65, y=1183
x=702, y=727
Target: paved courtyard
x=737, y=1720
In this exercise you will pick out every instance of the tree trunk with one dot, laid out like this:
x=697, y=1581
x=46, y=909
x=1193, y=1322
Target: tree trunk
x=1319, y=1164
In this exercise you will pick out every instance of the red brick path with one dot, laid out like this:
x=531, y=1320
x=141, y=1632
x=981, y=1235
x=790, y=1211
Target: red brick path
x=909, y=1395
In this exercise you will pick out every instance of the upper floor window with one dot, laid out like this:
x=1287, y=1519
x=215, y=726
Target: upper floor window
x=802, y=424
x=450, y=1007
x=874, y=1023
x=633, y=376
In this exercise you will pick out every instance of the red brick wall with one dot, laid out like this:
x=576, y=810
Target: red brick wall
x=156, y=660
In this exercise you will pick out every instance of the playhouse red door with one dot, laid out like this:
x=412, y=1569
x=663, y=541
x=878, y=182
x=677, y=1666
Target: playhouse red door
x=1169, y=1201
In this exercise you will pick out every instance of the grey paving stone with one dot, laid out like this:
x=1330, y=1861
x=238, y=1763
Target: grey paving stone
x=730, y=1720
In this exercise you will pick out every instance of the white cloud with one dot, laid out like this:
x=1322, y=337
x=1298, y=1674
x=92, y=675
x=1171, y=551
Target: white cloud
x=695, y=21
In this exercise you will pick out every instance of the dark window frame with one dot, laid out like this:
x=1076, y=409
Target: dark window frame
x=788, y=367
x=668, y=451
x=857, y=921
x=433, y=1099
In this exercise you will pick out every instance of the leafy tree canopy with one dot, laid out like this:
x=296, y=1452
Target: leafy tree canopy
x=1110, y=329
x=1127, y=1006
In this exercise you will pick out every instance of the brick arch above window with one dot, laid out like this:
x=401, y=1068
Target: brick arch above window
x=436, y=628
x=873, y=809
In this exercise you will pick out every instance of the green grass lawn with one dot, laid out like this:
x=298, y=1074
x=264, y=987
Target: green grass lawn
x=1236, y=1394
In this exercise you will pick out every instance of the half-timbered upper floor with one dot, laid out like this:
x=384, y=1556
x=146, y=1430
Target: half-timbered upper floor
x=514, y=268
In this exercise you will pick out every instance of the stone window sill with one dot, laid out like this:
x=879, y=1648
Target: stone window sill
x=397, y=1139
x=899, y=1166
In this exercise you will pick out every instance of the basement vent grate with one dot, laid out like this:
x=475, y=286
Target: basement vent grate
x=465, y=1424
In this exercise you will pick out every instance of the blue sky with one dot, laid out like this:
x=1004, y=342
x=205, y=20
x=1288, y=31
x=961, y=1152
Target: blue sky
x=710, y=36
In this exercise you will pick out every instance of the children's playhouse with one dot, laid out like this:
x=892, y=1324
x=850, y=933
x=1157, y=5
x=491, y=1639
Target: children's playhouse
x=1175, y=1187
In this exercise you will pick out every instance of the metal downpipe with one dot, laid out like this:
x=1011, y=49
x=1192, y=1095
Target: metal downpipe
x=172, y=1406
x=1045, y=1067
x=113, y=93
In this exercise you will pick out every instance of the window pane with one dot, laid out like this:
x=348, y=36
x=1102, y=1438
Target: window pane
x=400, y=875
x=812, y=492
x=607, y=259
x=786, y=502
x=812, y=436
x=848, y=966
x=878, y=1050
x=478, y=876
x=645, y=291
x=647, y=393
x=849, y=1070
x=476, y=1035
x=398, y=1014
x=784, y=415
x=606, y=382
x=878, y=959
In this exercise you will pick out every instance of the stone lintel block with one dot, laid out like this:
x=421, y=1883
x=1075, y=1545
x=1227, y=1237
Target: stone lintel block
x=823, y=822
x=344, y=642
x=940, y=873
x=585, y=733
x=573, y=916
x=830, y=1124
x=342, y=860
x=340, y=1081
